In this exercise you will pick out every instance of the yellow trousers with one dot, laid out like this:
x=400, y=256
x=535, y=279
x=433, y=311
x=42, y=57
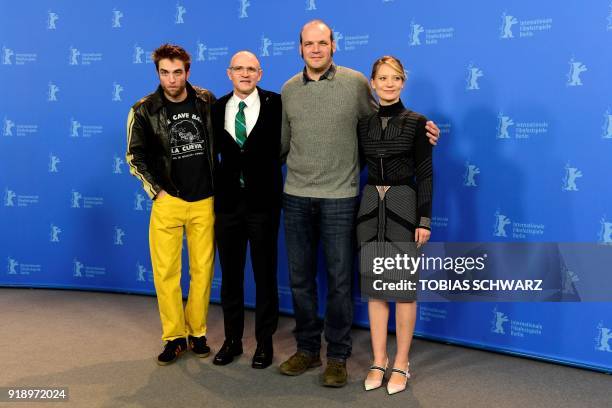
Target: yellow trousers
x=168, y=218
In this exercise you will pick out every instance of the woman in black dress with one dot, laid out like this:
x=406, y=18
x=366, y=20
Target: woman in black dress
x=395, y=206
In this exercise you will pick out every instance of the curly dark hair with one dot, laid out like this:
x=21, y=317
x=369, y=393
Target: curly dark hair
x=171, y=51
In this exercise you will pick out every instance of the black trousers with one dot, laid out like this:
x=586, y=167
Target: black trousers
x=260, y=229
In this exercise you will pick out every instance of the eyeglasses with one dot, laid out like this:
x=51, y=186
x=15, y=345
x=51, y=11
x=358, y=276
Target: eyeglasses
x=248, y=70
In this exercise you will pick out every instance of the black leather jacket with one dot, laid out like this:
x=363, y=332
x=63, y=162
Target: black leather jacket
x=148, y=146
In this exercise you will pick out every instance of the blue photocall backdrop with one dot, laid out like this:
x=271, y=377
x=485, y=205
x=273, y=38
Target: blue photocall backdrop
x=520, y=89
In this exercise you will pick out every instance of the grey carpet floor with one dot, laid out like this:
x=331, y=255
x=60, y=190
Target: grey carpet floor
x=103, y=347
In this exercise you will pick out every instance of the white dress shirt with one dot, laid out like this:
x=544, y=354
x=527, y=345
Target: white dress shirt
x=251, y=112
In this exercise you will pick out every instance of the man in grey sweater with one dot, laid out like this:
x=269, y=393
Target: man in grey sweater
x=321, y=108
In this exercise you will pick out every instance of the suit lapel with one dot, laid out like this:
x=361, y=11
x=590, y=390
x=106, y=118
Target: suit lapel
x=264, y=99
x=220, y=118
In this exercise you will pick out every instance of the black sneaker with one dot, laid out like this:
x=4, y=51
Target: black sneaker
x=172, y=350
x=198, y=346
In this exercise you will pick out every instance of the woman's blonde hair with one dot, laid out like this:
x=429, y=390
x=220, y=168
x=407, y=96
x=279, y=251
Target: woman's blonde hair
x=391, y=61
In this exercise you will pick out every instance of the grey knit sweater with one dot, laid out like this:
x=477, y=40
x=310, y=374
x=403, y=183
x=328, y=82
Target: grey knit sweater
x=319, y=134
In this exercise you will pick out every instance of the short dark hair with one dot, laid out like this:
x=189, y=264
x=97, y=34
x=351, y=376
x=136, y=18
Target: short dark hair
x=318, y=21
x=171, y=51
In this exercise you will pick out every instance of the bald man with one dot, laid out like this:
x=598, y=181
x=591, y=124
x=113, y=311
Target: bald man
x=322, y=105
x=248, y=186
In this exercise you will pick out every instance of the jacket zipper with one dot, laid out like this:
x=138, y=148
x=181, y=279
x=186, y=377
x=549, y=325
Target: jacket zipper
x=207, y=127
x=164, y=118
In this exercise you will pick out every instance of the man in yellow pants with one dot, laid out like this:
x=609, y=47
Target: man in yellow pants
x=170, y=151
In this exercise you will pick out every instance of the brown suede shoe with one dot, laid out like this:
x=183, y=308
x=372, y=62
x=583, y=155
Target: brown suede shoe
x=298, y=363
x=335, y=374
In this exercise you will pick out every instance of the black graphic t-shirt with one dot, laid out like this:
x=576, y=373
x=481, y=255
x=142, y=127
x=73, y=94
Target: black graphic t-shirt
x=190, y=170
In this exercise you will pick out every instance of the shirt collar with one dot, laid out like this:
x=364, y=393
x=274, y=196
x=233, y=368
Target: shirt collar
x=329, y=74
x=249, y=100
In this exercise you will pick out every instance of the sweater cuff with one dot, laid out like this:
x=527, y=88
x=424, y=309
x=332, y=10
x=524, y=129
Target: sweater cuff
x=425, y=222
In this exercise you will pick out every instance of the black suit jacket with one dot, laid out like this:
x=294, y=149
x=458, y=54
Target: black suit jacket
x=258, y=160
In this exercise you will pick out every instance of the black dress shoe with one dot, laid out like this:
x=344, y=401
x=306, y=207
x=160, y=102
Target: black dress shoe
x=229, y=350
x=263, y=355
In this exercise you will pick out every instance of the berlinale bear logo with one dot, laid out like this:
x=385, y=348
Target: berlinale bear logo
x=497, y=324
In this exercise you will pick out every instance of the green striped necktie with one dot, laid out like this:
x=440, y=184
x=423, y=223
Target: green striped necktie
x=240, y=129
x=241, y=134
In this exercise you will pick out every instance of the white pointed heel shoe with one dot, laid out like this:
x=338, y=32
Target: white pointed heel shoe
x=373, y=384
x=393, y=388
